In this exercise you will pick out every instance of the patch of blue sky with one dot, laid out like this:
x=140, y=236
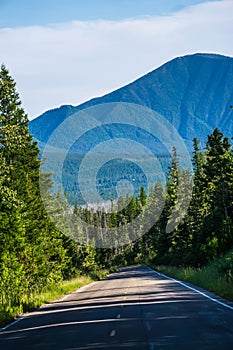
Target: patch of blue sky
x=15, y=13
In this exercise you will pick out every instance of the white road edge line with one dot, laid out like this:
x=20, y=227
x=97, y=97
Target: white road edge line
x=12, y=323
x=194, y=289
x=55, y=325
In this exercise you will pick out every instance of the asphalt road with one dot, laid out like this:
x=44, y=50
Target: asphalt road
x=135, y=308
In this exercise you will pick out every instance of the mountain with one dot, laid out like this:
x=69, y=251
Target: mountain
x=193, y=93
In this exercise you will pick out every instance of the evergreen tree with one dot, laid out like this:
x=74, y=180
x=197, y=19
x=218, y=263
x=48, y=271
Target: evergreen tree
x=38, y=247
x=143, y=196
x=164, y=237
x=198, y=208
x=217, y=232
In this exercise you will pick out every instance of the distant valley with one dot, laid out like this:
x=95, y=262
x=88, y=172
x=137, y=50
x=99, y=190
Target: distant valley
x=193, y=93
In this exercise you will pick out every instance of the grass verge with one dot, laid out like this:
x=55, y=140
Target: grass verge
x=216, y=277
x=51, y=293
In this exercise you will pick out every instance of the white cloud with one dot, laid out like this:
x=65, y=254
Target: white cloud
x=72, y=62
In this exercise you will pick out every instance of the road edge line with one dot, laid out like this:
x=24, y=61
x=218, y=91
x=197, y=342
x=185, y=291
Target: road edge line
x=193, y=289
x=12, y=323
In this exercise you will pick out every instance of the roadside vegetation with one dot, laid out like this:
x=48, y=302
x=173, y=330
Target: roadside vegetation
x=37, y=260
x=54, y=292
x=216, y=277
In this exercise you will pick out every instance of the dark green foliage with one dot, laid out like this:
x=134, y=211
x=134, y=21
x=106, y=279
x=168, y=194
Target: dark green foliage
x=33, y=253
x=206, y=228
x=206, y=231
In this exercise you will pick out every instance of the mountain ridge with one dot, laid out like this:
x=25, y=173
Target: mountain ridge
x=192, y=92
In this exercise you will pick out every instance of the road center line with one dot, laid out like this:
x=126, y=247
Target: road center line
x=113, y=333
x=148, y=326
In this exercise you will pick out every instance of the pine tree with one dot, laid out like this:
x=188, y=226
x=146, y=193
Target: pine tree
x=143, y=196
x=219, y=174
x=17, y=146
x=38, y=245
x=164, y=237
x=198, y=208
x=12, y=242
x=219, y=170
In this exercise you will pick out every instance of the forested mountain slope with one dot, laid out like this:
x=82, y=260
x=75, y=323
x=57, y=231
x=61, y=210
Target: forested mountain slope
x=193, y=92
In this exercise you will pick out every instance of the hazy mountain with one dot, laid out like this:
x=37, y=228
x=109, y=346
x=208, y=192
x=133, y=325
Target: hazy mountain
x=193, y=92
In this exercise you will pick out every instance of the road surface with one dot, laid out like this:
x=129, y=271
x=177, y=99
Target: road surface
x=135, y=308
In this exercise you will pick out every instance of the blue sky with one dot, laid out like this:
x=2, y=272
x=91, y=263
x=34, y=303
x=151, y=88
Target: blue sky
x=69, y=51
x=42, y=12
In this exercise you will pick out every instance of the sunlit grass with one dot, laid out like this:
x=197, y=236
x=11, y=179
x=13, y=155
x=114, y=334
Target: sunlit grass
x=215, y=277
x=56, y=291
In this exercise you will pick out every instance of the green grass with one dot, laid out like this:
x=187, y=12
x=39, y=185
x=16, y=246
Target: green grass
x=216, y=277
x=53, y=292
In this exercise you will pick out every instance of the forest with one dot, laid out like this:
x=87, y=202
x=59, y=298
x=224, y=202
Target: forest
x=35, y=254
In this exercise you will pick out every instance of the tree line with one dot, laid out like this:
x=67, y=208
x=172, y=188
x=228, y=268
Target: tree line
x=34, y=254
x=206, y=229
